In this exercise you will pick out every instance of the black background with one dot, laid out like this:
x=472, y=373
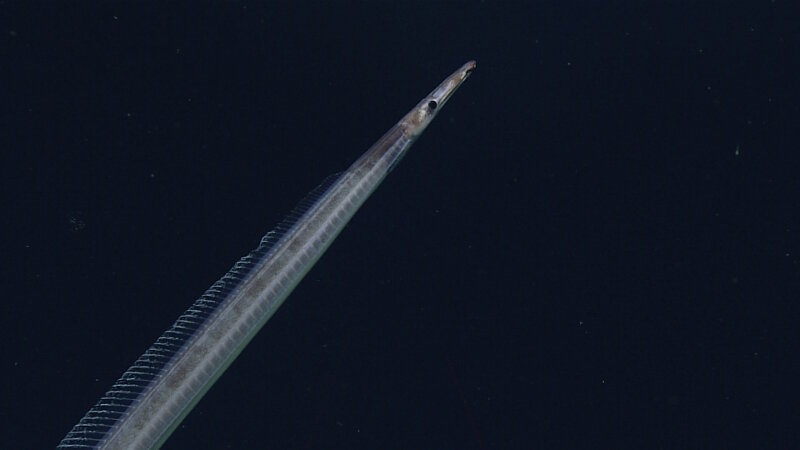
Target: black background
x=594, y=245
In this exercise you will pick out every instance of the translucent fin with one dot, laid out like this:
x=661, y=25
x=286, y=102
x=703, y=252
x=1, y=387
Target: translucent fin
x=102, y=418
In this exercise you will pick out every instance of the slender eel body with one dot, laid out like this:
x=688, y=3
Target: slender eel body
x=153, y=396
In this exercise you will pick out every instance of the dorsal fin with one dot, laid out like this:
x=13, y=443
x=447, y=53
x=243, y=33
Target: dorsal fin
x=100, y=420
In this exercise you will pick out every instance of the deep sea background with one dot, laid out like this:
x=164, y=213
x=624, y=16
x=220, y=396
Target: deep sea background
x=595, y=244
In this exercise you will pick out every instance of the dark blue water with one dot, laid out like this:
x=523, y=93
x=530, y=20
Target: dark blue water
x=595, y=245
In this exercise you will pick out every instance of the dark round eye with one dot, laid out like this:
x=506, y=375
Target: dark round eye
x=432, y=105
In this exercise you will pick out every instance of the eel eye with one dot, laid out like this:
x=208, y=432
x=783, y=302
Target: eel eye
x=432, y=105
